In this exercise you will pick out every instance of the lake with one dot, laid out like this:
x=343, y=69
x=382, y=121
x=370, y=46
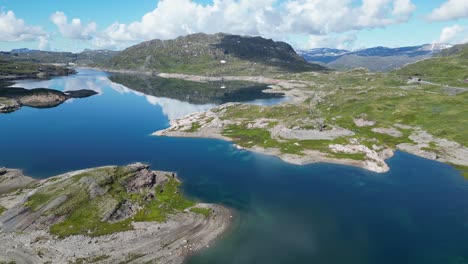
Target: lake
x=319, y=213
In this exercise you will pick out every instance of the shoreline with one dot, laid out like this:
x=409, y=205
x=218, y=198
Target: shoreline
x=174, y=240
x=210, y=124
x=311, y=157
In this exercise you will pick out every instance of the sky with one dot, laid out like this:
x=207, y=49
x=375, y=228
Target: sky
x=59, y=25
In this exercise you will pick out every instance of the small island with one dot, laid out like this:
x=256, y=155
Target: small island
x=107, y=214
x=12, y=99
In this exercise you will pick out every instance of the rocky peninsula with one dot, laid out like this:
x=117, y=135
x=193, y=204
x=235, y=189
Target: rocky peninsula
x=103, y=215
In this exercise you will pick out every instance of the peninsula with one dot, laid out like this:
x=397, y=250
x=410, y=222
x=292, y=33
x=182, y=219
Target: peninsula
x=107, y=214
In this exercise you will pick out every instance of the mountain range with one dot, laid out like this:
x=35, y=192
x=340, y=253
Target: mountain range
x=375, y=59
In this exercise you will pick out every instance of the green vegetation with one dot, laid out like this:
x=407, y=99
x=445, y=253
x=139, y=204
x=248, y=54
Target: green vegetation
x=169, y=200
x=91, y=259
x=463, y=170
x=338, y=98
x=2, y=209
x=195, y=127
x=203, y=211
x=30, y=69
x=131, y=257
x=450, y=68
x=248, y=138
x=202, y=54
x=84, y=214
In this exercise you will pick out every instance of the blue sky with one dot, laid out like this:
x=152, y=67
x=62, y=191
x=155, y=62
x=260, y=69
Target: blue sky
x=117, y=24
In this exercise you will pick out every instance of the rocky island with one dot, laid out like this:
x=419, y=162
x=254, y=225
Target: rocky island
x=12, y=99
x=103, y=215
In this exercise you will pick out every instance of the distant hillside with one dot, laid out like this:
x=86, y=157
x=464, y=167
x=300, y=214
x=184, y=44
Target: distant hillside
x=457, y=50
x=95, y=57
x=322, y=55
x=85, y=58
x=375, y=59
x=450, y=67
x=213, y=55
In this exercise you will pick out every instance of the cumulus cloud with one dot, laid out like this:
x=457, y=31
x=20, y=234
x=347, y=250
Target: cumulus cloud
x=453, y=34
x=43, y=43
x=14, y=29
x=450, y=10
x=75, y=29
x=172, y=18
x=337, y=42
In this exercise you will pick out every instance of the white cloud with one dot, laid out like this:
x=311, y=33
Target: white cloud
x=43, y=43
x=75, y=29
x=450, y=10
x=403, y=8
x=14, y=29
x=453, y=34
x=337, y=42
x=172, y=18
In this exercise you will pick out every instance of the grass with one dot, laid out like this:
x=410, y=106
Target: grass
x=248, y=138
x=381, y=97
x=2, y=210
x=169, y=200
x=91, y=259
x=83, y=214
x=463, y=170
x=195, y=127
x=203, y=211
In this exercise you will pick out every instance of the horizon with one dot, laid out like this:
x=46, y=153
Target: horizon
x=447, y=45
x=305, y=24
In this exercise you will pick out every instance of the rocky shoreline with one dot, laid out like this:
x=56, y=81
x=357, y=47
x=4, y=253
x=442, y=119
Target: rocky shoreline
x=211, y=125
x=28, y=237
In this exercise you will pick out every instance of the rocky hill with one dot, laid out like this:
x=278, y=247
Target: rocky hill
x=219, y=54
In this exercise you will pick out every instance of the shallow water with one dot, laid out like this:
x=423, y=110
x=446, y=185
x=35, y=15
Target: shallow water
x=320, y=213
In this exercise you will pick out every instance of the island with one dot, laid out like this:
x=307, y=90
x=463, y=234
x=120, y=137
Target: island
x=106, y=214
x=12, y=99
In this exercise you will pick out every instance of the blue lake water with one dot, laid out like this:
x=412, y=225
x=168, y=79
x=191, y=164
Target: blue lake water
x=319, y=213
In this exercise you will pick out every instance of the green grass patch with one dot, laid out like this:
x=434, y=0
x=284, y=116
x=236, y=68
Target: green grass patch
x=195, y=127
x=203, y=211
x=463, y=170
x=169, y=200
x=2, y=210
x=83, y=214
x=91, y=259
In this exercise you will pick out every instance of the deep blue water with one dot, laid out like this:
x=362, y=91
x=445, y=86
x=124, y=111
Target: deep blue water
x=319, y=213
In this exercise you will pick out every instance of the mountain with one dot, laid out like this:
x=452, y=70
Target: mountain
x=323, y=55
x=85, y=58
x=449, y=67
x=95, y=57
x=218, y=54
x=375, y=59
x=23, y=50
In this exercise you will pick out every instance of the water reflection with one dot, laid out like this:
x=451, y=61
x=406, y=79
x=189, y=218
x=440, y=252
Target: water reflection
x=176, y=98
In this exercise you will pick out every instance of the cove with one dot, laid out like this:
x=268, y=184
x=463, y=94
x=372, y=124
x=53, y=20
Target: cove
x=319, y=213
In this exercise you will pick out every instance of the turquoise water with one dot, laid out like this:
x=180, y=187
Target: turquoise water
x=320, y=213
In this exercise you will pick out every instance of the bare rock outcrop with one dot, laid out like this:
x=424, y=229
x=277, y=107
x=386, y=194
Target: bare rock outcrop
x=11, y=179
